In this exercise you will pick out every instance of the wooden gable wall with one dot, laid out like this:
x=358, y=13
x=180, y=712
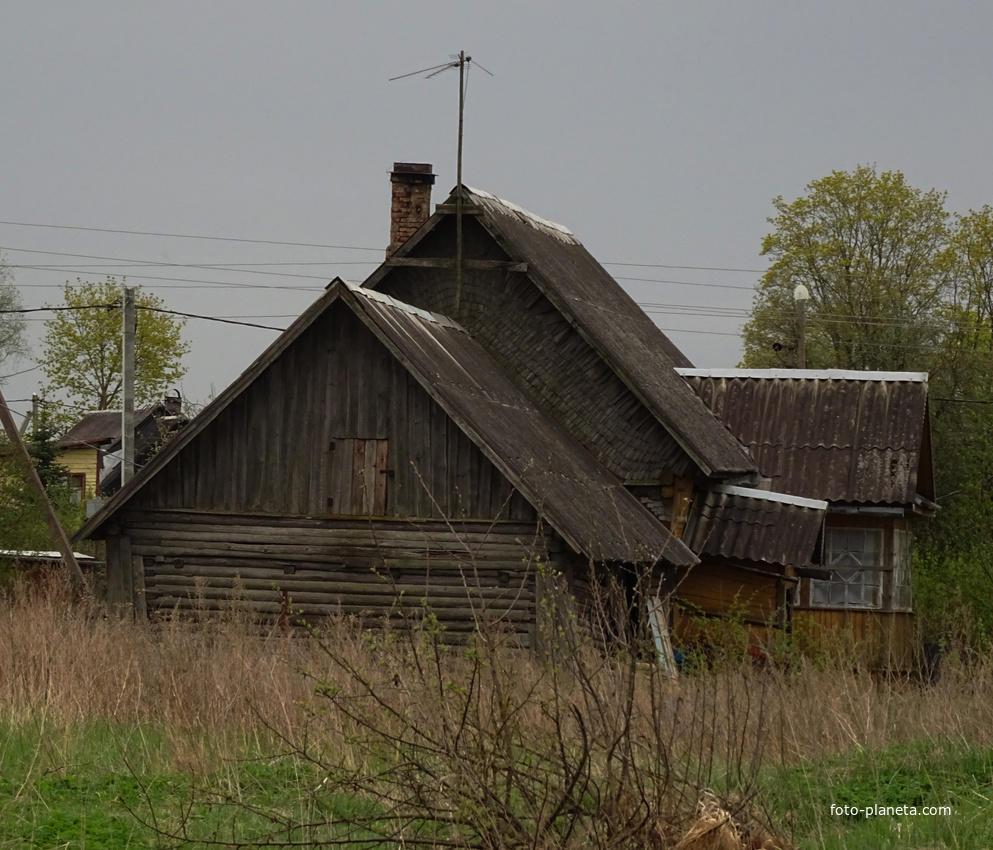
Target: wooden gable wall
x=507, y=313
x=334, y=411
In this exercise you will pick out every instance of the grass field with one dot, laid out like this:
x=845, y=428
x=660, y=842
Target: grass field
x=114, y=735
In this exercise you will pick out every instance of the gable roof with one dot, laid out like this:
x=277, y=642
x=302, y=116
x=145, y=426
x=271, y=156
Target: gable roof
x=608, y=319
x=842, y=436
x=101, y=426
x=585, y=504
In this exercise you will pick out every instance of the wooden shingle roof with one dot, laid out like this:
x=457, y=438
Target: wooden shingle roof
x=609, y=320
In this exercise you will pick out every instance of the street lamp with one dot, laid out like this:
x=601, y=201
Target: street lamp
x=801, y=295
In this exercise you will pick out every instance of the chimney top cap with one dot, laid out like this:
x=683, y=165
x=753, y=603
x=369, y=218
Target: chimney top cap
x=412, y=172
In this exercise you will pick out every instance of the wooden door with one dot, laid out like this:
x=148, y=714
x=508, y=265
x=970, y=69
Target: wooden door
x=358, y=479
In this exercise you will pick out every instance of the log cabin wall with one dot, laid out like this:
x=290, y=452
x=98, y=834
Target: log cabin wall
x=276, y=448
x=507, y=313
x=333, y=484
x=466, y=573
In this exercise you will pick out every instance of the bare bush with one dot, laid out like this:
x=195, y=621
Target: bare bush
x=481, y=745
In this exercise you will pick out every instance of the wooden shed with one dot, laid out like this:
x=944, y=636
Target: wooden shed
x=861, y=442
x=374, y=456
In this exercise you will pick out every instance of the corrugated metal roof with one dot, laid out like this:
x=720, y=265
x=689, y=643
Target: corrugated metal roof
x=751, y=525
x=848, y=437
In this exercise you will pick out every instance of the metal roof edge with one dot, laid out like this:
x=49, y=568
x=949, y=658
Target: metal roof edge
x=804, y=374
x=770, y=496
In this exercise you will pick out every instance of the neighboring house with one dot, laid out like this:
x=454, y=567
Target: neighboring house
x=91, y=449
x=453, y=429
x=861, y=442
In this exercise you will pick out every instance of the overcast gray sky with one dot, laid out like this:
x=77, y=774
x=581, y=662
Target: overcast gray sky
x=657, y=132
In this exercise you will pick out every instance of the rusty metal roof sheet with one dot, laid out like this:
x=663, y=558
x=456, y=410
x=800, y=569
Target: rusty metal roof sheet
x=841, y=436
x=755, y=525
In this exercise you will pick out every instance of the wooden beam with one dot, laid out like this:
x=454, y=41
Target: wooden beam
x=52, y=518
x=451, y=209
x=449, y=263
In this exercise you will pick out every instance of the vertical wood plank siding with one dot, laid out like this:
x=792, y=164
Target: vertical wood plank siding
x=467, y=572
x=269, y=450
x=883, y=639
x=716, y=589
x=521, y=328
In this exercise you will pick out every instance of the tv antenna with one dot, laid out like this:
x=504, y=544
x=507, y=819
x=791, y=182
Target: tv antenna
x=462, y=62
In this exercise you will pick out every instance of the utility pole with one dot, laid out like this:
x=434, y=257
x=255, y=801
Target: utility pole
x=801, y=295
x=52, y=518
x=127, y=408
x=31, y=415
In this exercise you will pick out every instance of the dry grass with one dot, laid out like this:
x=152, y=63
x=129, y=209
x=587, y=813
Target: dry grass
x=224, y=688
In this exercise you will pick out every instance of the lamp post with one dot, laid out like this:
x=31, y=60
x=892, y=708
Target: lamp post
x=801, y=295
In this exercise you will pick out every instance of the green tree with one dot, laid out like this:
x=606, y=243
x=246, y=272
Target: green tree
x=22, y=515
x=82, y=349
x=897, y=284
x=13, y=344
x=873, y=254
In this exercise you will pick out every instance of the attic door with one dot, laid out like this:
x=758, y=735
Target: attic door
x=358, y=477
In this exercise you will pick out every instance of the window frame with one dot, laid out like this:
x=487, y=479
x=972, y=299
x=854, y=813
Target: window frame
x=860, y=585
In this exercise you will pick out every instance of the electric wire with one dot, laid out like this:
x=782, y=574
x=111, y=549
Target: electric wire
x=188, y=236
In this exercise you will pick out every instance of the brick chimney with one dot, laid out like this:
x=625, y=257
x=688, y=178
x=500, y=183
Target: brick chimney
x=411, y=206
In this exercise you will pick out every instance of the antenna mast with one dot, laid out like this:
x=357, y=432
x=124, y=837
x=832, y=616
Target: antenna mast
x=462, y=63
x=458, y=183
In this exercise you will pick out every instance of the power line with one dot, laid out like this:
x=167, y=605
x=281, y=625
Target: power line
x=22, y=372
x=209, y=318
x=687, y=283
x=59, y=309
x=694, y=268
x=152, y=263
x=188, y=236
x=202, y=283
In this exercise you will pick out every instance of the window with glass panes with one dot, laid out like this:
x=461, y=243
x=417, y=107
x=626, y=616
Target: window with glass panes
x=854, y=556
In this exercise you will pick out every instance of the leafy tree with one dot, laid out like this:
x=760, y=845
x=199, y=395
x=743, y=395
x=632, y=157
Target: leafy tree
x=896, y=284
x=872, y=252
x=13, y=344
x=82, y=349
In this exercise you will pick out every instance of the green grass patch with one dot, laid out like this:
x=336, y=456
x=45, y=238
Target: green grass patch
x=119, y=788
x=921, y=774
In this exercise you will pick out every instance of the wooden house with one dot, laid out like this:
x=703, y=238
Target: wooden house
x=861, y=443
x=91, y=449
x=397, y=462
x=583, y=350
x=478, y=413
